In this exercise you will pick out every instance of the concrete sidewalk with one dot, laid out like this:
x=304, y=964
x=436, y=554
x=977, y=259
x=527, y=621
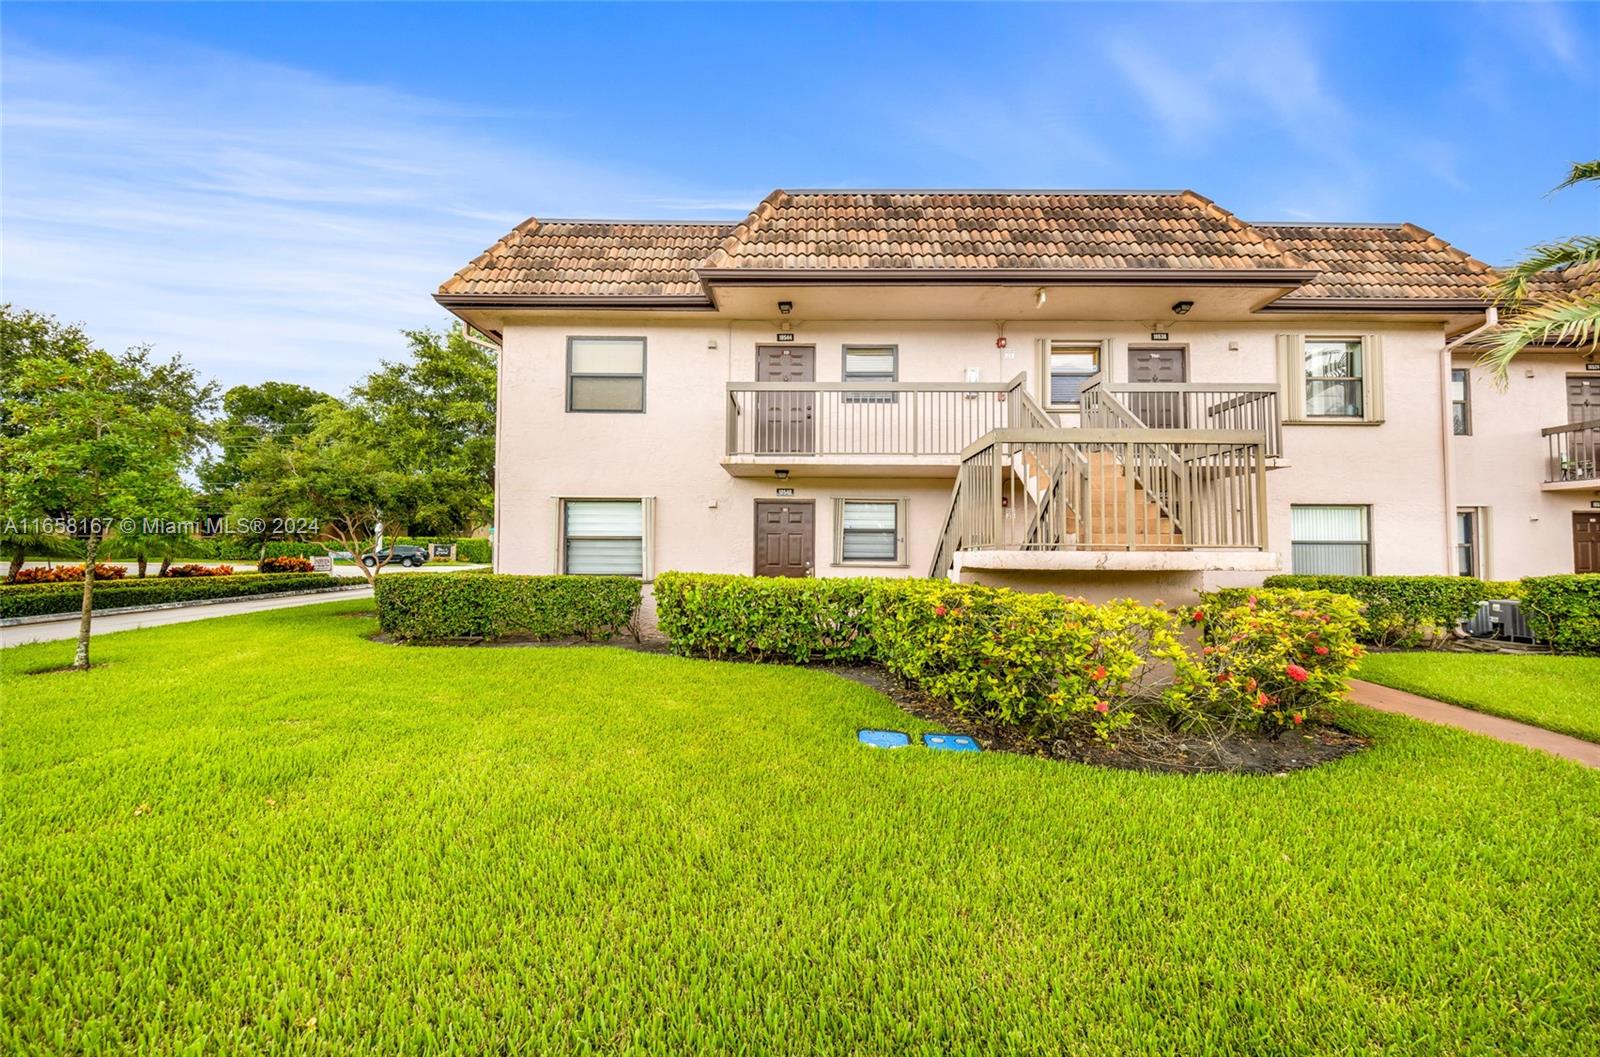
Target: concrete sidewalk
x=105, y=623
x=1387, y=699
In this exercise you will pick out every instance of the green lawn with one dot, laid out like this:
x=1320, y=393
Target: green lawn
x=1557, y=693
x=240, y=825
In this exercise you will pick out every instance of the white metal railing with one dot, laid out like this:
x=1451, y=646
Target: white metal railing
x=887, y=419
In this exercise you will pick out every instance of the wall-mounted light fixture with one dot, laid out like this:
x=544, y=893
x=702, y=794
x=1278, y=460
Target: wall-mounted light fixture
x=1039, y=298
x=782, y=475
x=1181, y=308
x=785, y=307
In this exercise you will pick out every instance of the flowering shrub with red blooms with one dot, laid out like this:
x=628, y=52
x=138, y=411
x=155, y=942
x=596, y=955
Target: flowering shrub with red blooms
x=1272, y=659
x=284, y=565
x=1037, y=661
x=199, y=570
x=62, y=574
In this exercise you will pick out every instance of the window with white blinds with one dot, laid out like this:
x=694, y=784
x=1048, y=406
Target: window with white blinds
x=870, y=363
x=605, y=374
x=870, y=530
x=603, y=536
x=1069, y=365
x=1330, y=540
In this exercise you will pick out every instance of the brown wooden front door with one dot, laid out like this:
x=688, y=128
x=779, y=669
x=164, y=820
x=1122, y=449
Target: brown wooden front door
x=785, y=422
x=1583, y=398
x=1586, y=542
x=786, y=537
x=1153, y=365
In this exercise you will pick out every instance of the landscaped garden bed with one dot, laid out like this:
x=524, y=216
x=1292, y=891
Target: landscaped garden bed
x=563, y=851
x=30, y=600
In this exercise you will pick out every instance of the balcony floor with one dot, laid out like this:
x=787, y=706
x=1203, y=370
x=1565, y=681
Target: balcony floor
x=933, y=466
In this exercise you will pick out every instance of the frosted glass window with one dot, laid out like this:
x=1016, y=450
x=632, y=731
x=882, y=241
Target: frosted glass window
x=605, y=374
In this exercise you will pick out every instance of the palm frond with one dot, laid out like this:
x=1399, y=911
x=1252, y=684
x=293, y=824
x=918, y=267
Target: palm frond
x=1581, y=249
x=1582, y=172
x=1573, y=322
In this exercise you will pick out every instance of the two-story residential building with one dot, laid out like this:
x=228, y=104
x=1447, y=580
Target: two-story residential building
x=1102, y=392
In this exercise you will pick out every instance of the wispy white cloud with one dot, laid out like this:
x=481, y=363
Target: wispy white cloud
x=262, y=220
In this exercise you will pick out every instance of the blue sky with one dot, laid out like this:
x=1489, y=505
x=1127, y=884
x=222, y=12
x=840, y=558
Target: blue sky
x=275, y=191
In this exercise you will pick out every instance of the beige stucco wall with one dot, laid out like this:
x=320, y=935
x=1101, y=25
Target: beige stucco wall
x=704, y=516
x=1501, y=466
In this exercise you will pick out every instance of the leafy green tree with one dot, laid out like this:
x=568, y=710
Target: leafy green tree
x=24, y=335
x=250, y=415
x=89, y=440
x=434, y=413
x=337, y=474
x=1536, y=313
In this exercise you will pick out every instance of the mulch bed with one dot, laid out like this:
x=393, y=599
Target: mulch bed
x=1134, y=748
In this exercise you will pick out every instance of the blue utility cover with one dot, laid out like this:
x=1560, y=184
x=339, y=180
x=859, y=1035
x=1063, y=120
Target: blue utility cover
x=951, y=743
x=883, y=739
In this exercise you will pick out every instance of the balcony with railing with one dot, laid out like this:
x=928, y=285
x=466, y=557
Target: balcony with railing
x=1572, y=456
x=863, y=428
x=1251, y=408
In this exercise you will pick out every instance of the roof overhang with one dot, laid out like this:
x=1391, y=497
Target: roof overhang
x=1269, y=277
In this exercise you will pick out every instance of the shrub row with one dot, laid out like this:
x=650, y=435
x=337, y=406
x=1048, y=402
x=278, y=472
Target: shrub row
x=284, y=565
x=467, y=549
x=450, y=606
x=1564, y=611
x=1403, y=610
x=60, y=574
x=182, y=571
x=40, y=599
x=1039, y=662
x=767, y=618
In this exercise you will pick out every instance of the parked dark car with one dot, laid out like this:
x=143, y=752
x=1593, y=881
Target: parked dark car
x=400, y=554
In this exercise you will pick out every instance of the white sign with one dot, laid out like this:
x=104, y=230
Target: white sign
x=322, y=563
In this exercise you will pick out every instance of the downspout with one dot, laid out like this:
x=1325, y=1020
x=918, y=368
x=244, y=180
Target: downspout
x=1491, y=317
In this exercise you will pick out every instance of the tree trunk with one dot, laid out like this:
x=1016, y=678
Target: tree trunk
x=18, y=556
x=82, y=660
x=166, y=563
x=144, y=563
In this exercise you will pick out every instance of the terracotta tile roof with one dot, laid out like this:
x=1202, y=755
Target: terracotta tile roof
x=903, y=233
x=645, y=258
x=1384, y=261
x=1031, y=230
x=1578, y=280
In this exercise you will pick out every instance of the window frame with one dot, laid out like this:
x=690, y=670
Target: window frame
x=901, y=507
x=643, y=375
x=1364, y=544
x=1465, y=402
x=1360, y=379
x=1473, y=546
x=1292, y=379
x=894, y=372
x=646, y=535
x=1102, y=356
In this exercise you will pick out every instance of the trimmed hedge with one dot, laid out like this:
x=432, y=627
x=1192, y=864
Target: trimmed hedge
x=451, y=606
x=468, y=549
x=1403, y=610
x=1564, y=611
x=41, y=599
x=1038, y=662
x=767, y=618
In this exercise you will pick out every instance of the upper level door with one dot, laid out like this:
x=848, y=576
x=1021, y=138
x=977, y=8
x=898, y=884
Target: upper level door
x=1155, y=365
x=786, y=422
x=1583, y=398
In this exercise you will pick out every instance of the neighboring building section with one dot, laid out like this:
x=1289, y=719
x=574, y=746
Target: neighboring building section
x=1101, y=392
